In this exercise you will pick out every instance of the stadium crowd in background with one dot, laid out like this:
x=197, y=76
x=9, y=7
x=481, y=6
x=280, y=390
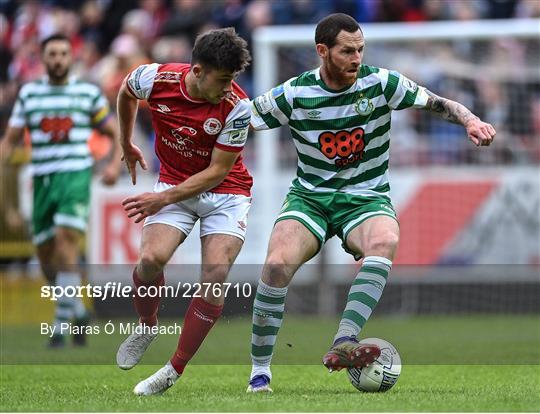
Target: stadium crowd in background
x=111, y=37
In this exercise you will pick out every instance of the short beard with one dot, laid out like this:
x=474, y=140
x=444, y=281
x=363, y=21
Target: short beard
x=341, y=78
x=57, y=78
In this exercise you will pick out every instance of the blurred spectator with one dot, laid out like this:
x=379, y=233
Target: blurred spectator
x=158, y=15
x=187, y=18
x=171, y=49
x=299, y=11
x=501, y=9
x=229, y=13
x=92, y=16
x=88, y=66
x=528, y=9
x=112, y=37
x=125, y=56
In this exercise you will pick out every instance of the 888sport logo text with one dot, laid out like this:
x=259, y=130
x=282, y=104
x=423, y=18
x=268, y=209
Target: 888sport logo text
x=347, y=145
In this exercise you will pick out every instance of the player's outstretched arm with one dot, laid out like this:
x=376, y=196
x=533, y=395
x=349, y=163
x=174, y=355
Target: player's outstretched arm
x=479, y=132
x=147, y=204
x=127, y=105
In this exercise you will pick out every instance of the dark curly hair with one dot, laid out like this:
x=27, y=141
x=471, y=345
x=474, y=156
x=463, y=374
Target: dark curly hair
x=221, y=49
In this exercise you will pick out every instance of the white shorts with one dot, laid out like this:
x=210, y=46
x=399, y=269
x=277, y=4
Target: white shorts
x=219, y=213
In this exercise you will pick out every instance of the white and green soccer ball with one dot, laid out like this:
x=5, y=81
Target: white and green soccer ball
x=382, y=374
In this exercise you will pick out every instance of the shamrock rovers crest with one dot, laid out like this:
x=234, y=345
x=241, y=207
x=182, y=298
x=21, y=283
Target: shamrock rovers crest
x=363, y=106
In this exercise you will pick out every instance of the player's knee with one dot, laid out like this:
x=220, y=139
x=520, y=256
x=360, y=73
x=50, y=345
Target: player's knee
x=384, y=244
x=214, y=273
x=277, y=271
x=151, y=263
x=66, y=248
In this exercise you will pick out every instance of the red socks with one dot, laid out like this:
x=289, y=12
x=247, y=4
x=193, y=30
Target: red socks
x=200, y=317
x=146, y=306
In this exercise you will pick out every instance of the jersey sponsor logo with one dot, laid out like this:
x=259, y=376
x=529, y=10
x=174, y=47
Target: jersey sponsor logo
x=185, y=149
x=263, y=104
x=347, y=145
x=58, y=127
x=314, y=114
x=185, y=144
x=212, y=126
x=241, y=122
x=184, y=134
x=363, y=106
x=238, y=137
x=163, y=108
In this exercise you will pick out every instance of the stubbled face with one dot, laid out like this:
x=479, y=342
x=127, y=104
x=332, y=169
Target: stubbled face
x=344, y=58
x=214, y=85
x=57, y=59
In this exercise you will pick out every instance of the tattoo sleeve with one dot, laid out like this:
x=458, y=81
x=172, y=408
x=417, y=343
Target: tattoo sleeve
x=450, y=110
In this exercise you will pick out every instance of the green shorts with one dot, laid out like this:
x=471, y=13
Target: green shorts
x=329, y=214
x=60, y=199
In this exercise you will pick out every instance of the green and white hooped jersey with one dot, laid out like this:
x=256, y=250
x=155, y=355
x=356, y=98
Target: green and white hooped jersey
x=342, y=137
x=60, y=120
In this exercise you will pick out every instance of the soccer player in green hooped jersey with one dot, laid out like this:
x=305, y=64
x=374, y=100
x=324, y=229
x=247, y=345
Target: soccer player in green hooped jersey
x=339, y=117
x=60, y=113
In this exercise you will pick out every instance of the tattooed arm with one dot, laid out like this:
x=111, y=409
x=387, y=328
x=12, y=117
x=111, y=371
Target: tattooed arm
x=479, y=132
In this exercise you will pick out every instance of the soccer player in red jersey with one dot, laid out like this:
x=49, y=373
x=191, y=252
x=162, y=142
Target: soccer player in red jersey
x=201, y=119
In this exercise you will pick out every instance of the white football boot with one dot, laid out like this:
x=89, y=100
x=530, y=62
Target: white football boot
x=159, y=382
x=132, y=349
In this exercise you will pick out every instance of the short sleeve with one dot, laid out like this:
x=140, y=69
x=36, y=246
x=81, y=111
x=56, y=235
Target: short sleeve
x=401, y=92
x=272, y=109
x=141, y=81
x=234, y=135
x=17, y=119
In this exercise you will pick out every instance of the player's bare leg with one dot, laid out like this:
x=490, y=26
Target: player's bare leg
x=63, y=312
x=376, y=240
x=158, y=244
x=46, y=254
x=291, y=245
x=219, y=252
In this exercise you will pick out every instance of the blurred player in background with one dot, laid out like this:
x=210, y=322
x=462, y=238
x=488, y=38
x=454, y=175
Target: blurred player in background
x=60, y=112
x=201, y=119
x=339, y=117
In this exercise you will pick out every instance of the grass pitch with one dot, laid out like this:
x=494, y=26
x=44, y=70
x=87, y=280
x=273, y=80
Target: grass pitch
x=296, y=388
x=446, y=367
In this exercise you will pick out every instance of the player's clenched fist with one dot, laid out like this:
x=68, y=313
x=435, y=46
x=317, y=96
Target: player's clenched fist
x=480, y=133
x=143, y=205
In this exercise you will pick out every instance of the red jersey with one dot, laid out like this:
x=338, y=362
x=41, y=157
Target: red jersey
x=188, y=129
